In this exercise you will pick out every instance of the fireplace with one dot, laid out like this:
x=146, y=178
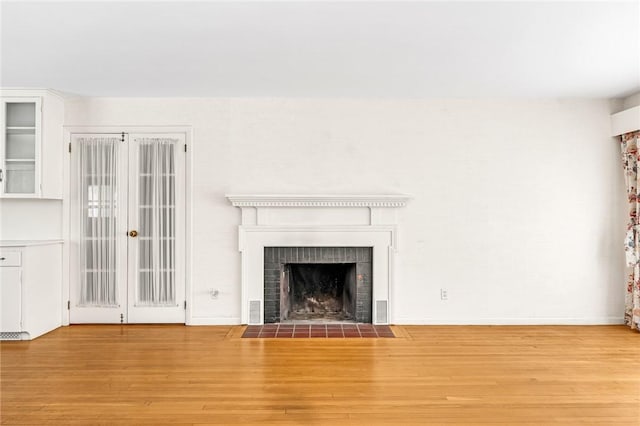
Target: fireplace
x=318, y=284
x=280, y=234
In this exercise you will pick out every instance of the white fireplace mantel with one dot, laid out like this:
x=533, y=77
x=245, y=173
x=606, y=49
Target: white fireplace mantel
x=272, y=220
x=272, y=200
x=273, y=209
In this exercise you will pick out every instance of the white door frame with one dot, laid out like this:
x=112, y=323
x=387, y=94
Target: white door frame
x=66, y=204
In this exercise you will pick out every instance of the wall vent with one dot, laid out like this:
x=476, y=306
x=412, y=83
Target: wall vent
x=381, y=312
x=254, y=312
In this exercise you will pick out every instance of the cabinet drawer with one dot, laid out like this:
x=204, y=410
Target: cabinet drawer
x=9, y=258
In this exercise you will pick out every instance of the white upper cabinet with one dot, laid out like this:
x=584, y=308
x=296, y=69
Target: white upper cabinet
x=22, y=128
x=31, y=149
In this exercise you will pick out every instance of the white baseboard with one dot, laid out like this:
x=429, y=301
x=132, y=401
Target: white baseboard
x=214, y=321
x=510, y=321
x=454, y=321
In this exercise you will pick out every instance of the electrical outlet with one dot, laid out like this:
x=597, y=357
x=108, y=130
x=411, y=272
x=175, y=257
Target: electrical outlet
x=444, y=294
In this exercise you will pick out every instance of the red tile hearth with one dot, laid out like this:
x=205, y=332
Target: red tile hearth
x=317, y=330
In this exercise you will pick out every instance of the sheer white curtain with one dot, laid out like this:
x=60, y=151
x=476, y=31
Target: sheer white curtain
x=98, y=198
x=156, y=219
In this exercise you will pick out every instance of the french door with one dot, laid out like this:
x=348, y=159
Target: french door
x=128, y=227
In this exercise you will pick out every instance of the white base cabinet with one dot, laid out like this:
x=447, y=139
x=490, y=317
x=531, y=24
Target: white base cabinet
x=30, y=288
x=11, y=299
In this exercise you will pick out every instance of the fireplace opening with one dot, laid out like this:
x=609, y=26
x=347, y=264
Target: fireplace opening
x=325, y=292
x=318, y=284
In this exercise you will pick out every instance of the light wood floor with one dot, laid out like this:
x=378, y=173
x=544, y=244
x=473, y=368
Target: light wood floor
x=86, y=375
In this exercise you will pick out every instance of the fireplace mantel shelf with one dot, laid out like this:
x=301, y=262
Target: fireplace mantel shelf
x=275, y=200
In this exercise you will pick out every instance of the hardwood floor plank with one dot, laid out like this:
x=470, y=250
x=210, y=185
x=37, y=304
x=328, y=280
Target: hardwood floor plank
x=166, y=374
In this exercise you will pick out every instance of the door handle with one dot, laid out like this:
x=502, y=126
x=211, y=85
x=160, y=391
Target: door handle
x=133, y=233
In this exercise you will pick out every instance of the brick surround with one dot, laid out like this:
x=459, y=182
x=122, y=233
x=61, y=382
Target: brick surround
x=276, y=257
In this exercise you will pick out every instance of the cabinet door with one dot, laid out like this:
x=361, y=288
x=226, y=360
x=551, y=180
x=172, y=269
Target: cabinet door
x=10, y=299
x=20, y=150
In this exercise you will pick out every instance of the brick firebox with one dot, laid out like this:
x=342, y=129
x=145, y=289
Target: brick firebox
x=276, y=260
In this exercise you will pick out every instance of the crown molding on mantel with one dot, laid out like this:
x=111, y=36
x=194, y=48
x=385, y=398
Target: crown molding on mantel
x=276, y=200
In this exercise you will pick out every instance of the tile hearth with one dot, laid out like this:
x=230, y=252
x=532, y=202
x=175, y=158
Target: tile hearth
x=317, y=330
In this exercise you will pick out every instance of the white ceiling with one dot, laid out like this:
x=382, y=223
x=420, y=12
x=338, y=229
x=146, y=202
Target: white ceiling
x=326, y=49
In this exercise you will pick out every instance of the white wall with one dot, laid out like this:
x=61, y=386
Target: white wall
x=518, y=206
x=24, y=219
x=631, y=101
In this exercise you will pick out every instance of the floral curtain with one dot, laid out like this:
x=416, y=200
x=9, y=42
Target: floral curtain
x=630, y=160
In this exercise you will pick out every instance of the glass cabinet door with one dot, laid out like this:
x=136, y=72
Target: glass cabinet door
x=21, y=133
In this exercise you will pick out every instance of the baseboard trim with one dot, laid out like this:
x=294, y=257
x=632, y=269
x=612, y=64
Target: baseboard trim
x=455, y=321
x=510, y=321
x=214, y=321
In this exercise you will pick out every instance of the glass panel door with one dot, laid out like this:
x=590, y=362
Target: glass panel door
x=156, y=214
x=129, y=236
x=98, y=292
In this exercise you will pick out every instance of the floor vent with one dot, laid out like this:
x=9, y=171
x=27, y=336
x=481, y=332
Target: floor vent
x=381, y=312
x=254, y=312
x=10, y=335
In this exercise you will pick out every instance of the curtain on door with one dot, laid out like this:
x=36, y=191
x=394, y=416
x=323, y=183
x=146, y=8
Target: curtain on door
x=630, y=160
x=156, y=219
x=98, y=198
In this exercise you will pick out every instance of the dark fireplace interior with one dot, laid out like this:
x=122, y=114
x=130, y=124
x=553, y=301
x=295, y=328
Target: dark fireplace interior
x=320, y=291
x=318, y=284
